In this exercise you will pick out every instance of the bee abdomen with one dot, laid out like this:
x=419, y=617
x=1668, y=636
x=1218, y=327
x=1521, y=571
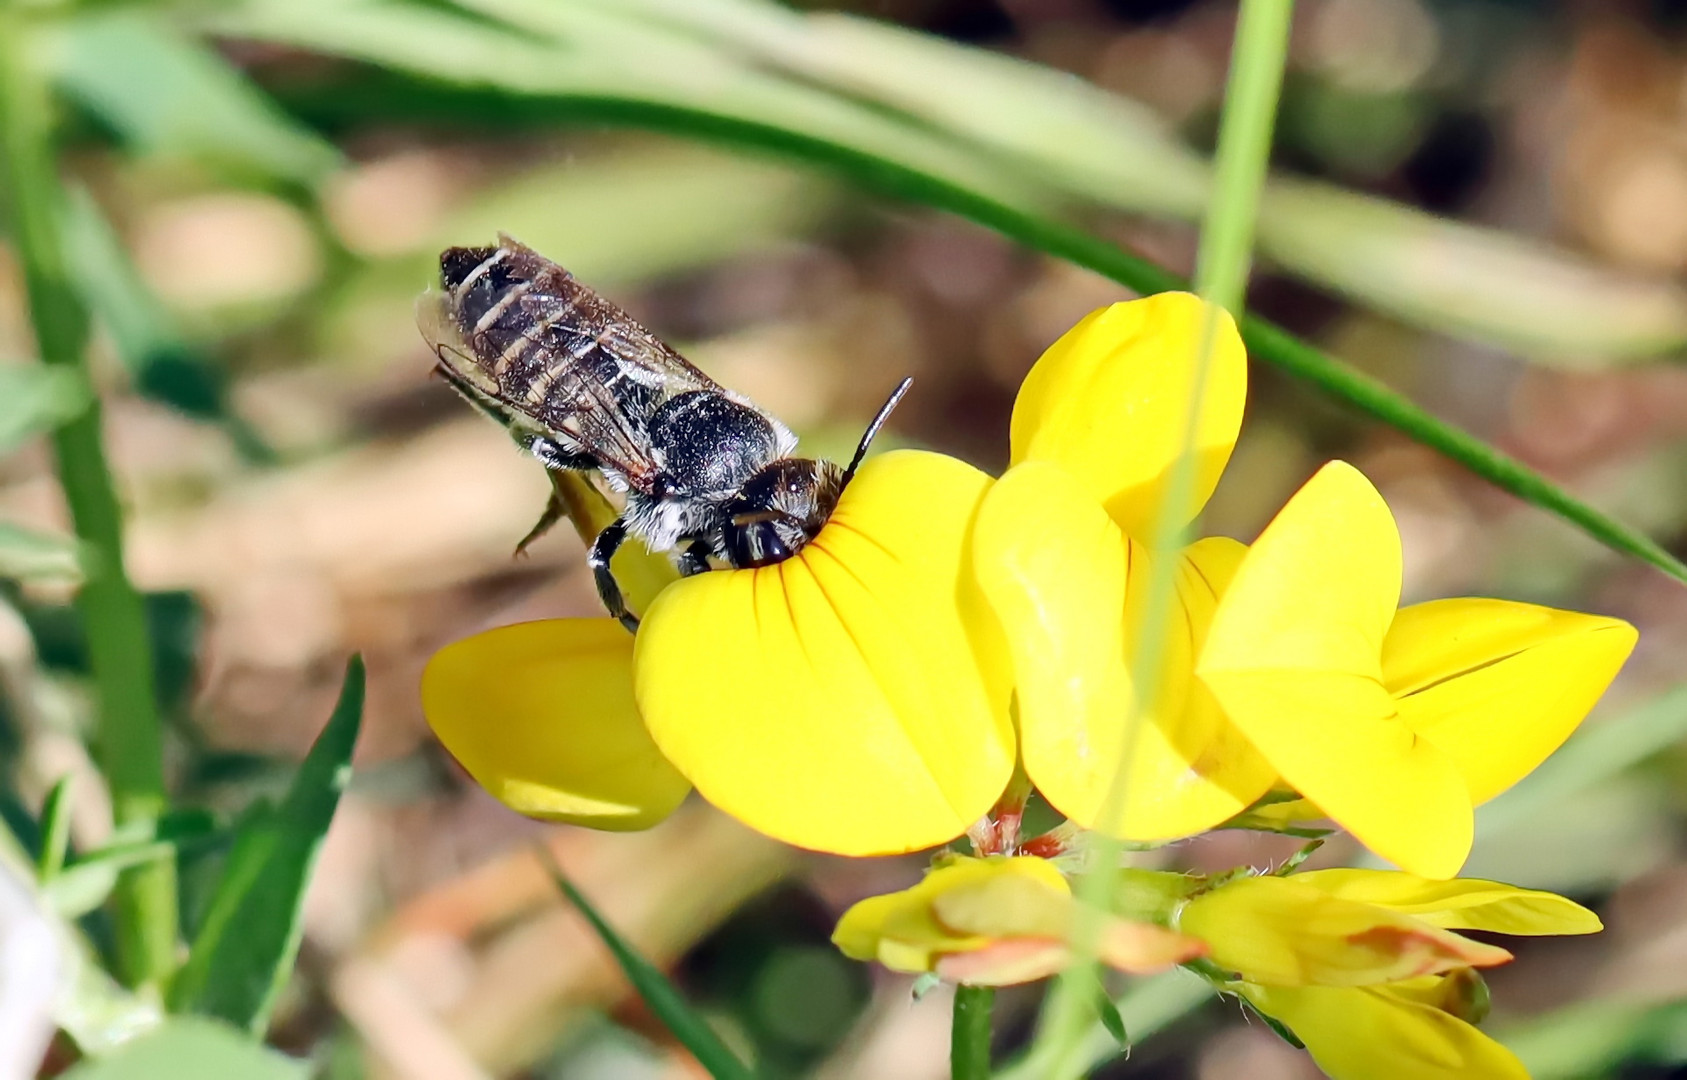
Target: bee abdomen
x=520, y=332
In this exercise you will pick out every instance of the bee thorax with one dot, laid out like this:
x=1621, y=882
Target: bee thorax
x=707, y=444
x=663, y=523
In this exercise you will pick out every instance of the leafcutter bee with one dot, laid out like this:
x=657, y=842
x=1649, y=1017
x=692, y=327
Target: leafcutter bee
x=581, y=385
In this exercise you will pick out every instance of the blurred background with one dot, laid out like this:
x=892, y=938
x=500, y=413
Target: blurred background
x=261, y=191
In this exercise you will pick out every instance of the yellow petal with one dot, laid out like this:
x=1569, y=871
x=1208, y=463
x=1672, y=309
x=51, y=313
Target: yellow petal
x=541, y=714
x=1499, y=685
x=1109, y=402
x=853, y=698
x=1367, y=1032
x=1054, y=568
x=1318, y=589
x=1461, y=904
x=1278, y=932
x=1294, y=656
x=1008, y=903
x=902, y=930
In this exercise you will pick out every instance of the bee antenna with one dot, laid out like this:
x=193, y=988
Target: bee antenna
x=873, y=428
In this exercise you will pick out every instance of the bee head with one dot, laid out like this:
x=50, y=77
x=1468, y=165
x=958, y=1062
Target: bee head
x=788, y=502
x=780, y=509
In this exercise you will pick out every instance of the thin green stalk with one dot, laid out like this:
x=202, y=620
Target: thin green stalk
x=1244, y=150
x=130, y=743
x=969, y=1036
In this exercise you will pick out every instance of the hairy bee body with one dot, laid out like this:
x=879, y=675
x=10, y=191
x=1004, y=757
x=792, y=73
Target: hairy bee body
x=582, y=385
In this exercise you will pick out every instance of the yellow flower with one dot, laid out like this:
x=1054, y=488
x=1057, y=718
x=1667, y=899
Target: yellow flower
x=1363, y=966
x=992, y=922
x=1395, y=723
x=852, y=698
x=1097, y=428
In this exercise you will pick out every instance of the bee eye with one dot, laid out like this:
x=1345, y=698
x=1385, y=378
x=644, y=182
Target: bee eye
x=759, y=539
x=769, y=544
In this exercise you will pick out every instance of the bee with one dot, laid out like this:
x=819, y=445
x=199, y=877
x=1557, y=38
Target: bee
x=581, y=385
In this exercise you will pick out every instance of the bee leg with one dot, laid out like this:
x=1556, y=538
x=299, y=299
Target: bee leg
x=694, y=559
x=557, y=460
x=555, y=511
x=556, y=456
x=608, y=590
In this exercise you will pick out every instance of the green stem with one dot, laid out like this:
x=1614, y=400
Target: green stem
x=1244, y=147
x=130, y=740
x=969, y=1039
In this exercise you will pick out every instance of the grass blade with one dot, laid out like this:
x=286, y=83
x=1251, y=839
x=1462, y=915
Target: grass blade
x=662, y=996
x=872, y=147
x=130, y=736
x=246, y=944
x=1110, y=151
x=166, y=94
x=55, y=831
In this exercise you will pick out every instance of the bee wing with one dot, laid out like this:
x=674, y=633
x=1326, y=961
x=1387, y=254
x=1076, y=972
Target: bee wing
x=542, y=350
x=640, y=355
x=454, y=357
x=609, y=373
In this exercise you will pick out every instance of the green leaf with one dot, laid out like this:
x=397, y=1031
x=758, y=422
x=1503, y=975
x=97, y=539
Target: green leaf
x=661, y=996
x=623, y=76
x=1148, y=1007
x=1293, y=862
x=79, y=889
x=55, y=830
x=247, y=942
x=1111, y=1019
x=642, y=212
x=86, y=883
x=166, y=94
x=34, y=399
x=190, y=1048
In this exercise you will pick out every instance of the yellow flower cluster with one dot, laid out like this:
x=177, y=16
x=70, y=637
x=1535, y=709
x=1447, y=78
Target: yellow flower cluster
x=1363, y=966
x=876, y=693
